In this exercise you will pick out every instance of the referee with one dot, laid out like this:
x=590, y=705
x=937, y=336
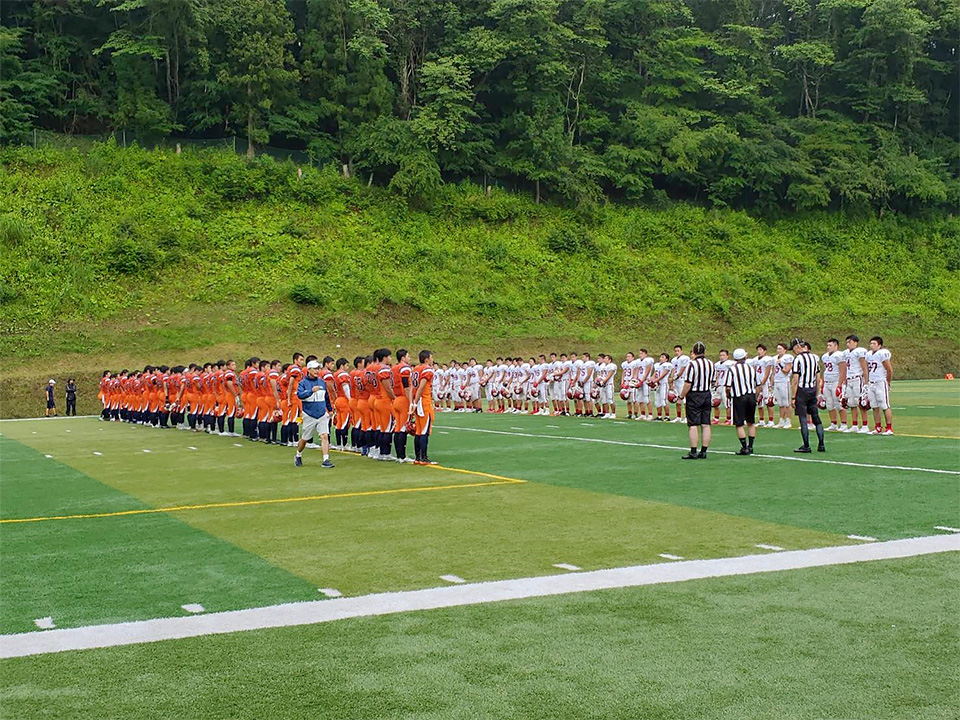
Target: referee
x=698, y=378
x=804, y=384
x=742, y=381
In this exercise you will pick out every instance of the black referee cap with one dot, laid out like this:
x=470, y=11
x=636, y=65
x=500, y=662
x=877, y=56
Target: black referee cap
x=796, y=341
x=699, y=348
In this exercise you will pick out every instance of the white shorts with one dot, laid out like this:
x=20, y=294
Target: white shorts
x=853, y=391
x=311, y=425
x=660, y=396
x=474, y=390
x=543, y=392
x=642, y=394
x=560, y=390
x=606, y=393
x=781, y=395
x=830, y=395
x=488, y=391
x=879, y=394
x=587, y=389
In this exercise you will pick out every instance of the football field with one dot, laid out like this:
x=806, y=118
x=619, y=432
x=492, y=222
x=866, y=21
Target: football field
x=547, y=567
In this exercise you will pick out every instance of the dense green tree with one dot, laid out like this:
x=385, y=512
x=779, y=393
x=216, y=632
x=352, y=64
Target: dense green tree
x=749, y=103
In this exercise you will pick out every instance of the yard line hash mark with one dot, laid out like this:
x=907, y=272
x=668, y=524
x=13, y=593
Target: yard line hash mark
x=319, y=611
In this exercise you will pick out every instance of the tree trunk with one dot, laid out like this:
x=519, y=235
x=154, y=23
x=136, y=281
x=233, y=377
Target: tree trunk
x=250, y=148
x=538, y=190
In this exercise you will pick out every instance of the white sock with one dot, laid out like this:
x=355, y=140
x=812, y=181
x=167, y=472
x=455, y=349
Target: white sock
x=325, y=457
x=299, y=454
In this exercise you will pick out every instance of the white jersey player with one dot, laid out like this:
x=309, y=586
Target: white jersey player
x=853, y=374
x=662, y=385
x=763, y=365
x=879, y=375
x=679, y=363
x=720, y=393
x=783, y=371
x=831, y=391
x=643, y=375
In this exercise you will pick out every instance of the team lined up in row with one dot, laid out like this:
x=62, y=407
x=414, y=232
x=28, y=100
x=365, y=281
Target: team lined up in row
x=374, y=404
x=855, y=380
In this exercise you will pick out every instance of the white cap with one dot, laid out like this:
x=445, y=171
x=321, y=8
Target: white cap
x=739, y=354
x=313, y=365
x=52, y=382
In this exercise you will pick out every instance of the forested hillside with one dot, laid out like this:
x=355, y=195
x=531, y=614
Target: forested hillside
x=758, y=104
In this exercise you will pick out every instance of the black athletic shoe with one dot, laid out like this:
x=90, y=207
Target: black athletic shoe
x=743, y=451
x=803, y=449
x=750, y=450
x=702, y=455
x=690, y=456
x=821, y=448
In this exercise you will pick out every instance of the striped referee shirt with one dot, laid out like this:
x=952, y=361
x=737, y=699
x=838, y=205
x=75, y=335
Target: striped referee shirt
x=701, y=374
x=805, y=367
x=742, y=380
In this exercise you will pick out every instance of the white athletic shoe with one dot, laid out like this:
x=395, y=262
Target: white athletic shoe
x=787, y=425
x=864, y=430
x=887, y=432
x=386, y=458
x=851, y=429
x=830, y=428
x=876, y=432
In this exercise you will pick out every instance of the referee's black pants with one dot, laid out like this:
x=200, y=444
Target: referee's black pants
x=806, y=404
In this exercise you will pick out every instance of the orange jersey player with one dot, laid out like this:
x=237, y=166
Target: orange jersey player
x=343, y=404
x=364, y=414
x=295, y=374
x=422, y=407
x=402, y=388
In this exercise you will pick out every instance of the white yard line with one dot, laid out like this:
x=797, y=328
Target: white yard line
x=762, y=546
x=318, y=611
x=566, y=566
x=453, y=579
x=865, y=538
x=712, y=451
x=947, y=528
x=193, y=607
x=668, y=556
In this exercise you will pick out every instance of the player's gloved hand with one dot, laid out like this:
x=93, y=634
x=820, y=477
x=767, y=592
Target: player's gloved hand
x=839, y=392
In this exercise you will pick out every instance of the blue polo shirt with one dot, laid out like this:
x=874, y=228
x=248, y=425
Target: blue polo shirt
x=316, y=405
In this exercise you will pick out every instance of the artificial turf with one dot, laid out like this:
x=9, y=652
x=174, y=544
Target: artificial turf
x=875, y=641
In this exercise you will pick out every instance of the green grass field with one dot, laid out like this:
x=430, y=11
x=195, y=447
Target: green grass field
x=105, y=523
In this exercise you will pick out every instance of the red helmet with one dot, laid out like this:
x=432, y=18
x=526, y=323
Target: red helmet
x=770, y=401
x=518, y=389
x=624, y=393
x=715, y=402
x=578, y=393
x=672, y=396
x=822, y=402
x=843, y=401
x=410, y=427
x=571, y=394
x=865, y=402
x=595, y=393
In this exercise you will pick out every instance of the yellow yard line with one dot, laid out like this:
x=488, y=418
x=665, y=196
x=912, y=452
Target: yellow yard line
x=931, y=437
x=273, y=501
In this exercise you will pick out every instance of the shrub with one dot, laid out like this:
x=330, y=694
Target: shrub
x=14, y=231
x=569, y=240
x=132, y=256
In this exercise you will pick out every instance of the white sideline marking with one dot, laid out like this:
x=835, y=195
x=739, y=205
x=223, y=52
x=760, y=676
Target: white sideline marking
x=68, y=431
x=948, y=529
x=48, y=456
x=768, y=547
x=555, y=427
x=330, y=592
x=44, y=623
x=566, y=566
x=317, y=611
x=193, y=607
x=668, y=556
x=588, y=424
x=452, y=579
x=441, y=432
x=145, y=450
x=238, y=444
x=190, y=447
x=516, y=428
x=714, y=452
x=865, y=538
x=97, y=453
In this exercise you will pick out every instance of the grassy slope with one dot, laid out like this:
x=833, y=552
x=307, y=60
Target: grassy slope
x=127, y=257
x=875, y=641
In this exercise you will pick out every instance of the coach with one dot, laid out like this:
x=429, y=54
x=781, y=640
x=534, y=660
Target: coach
x=698, y=378
x=312, y=391
x=804, y=383
x=742, y=381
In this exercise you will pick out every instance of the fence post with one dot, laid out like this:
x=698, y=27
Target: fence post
x=124, y=134
x=34, y=137
x=234, y=144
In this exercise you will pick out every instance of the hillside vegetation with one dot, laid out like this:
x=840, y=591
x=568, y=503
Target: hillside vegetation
x=129, y=256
